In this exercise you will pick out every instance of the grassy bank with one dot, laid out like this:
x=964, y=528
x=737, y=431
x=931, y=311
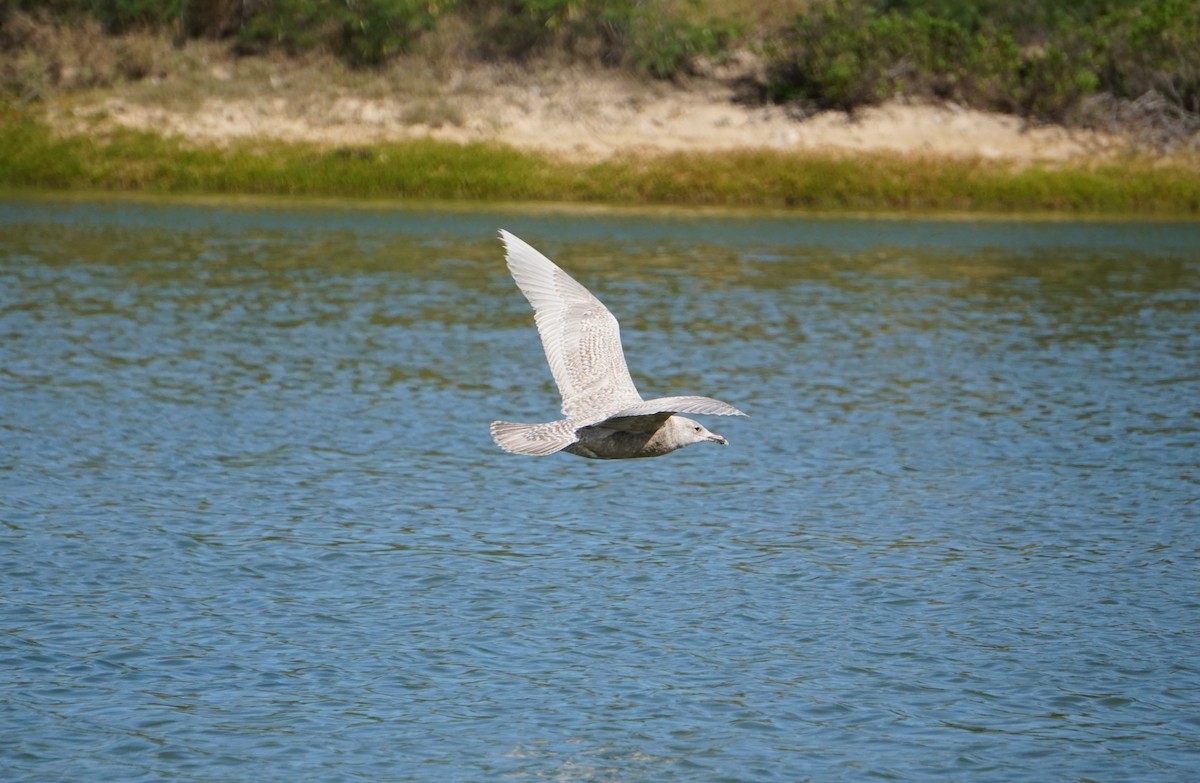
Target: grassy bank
x=33, y=157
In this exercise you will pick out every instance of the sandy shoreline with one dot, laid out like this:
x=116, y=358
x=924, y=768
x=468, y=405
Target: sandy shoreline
x=571, y=113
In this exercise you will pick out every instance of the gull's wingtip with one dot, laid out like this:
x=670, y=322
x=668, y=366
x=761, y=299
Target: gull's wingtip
x=512, y=243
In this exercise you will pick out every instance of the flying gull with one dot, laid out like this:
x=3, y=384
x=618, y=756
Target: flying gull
x=604, y=416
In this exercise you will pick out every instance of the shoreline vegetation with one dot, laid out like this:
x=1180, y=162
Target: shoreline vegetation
x=825, y=105
x=429, y=170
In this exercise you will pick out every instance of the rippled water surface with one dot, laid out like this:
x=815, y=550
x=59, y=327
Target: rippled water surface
x=254, y=528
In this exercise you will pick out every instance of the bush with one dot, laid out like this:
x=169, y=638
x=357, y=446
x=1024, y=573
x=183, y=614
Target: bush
x=363, y=32
x=667, y=47
x=1052, y=81
x=843, y=54
x=295, y=25
x=1155, y=47
x=520, y=29
x=116, y=16
x=122, y=15
x=374, y=30
x=1041, y=59
x=639, y=35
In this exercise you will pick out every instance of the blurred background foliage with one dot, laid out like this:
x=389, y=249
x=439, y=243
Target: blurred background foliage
x=1077, y=61
x=1039, y=58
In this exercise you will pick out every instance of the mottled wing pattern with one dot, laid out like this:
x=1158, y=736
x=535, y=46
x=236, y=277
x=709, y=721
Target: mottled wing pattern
x=581, y=337
x=684, y=404
x=534, y=439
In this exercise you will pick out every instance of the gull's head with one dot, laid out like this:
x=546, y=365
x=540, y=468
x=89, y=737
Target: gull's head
x=688, y=431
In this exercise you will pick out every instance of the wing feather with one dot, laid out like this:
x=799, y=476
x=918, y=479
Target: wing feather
x=683, y=404
x=537, y=440
x=581, y=338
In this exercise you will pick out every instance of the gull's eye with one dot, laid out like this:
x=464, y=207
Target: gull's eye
x=696, y=428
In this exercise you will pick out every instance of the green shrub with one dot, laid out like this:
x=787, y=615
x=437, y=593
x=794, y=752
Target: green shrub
x=120, y=15
x=1040, y=59
x=667, y=47
x=295, y=25
x=520, y=29
x=640, y=35
x=824, y=58
x=114, y=15
x=1155, y=46
x=363, y=32
x=843, y=54
x=1053, y=80
x=374, y=30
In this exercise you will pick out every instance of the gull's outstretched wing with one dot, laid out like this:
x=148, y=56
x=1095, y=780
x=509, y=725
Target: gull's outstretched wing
x=684, y=404
x=581, y=337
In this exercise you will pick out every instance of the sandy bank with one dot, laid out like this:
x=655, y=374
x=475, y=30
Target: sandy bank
x=572, y=113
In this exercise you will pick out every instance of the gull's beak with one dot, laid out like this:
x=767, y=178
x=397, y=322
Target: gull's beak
x=715, y=438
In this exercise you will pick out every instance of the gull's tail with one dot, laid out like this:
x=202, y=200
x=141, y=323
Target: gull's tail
x=536, y=440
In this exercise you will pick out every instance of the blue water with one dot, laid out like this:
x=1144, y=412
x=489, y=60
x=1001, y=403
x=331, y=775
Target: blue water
x=253, y=526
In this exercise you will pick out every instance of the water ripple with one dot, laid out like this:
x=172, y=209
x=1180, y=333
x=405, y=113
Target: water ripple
x=252, y=524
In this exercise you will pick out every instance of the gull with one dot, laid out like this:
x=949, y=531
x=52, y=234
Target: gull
x=604, y=415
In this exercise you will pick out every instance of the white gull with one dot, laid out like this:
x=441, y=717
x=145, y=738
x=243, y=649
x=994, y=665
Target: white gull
x=604, y=416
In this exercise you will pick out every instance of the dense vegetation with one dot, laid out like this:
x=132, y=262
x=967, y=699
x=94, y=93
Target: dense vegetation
x=1089, y=61
x=1046, y=59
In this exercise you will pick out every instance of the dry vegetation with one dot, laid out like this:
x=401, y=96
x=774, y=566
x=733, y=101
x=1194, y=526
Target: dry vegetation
x=199, y=109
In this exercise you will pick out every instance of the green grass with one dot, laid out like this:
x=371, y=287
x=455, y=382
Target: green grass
x=33, y=158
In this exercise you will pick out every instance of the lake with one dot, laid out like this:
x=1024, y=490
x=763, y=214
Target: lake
x=254, y=527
